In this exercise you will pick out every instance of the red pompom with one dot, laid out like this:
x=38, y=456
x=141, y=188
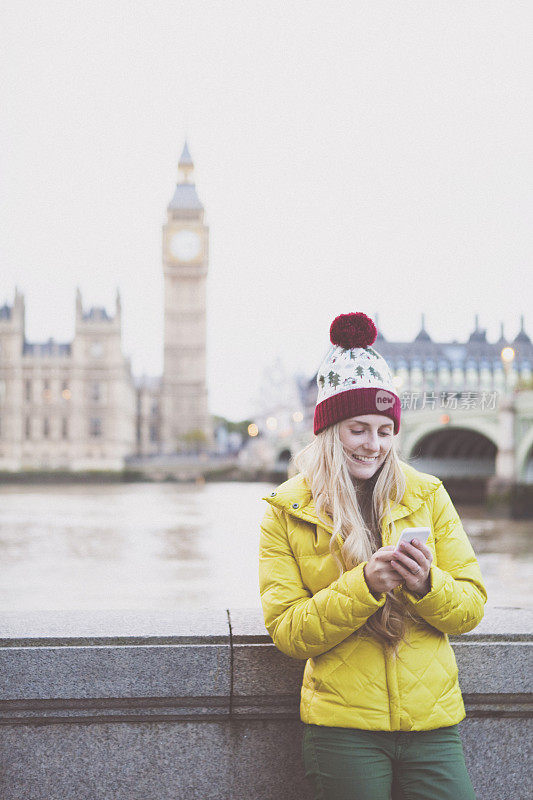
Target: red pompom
x=353, y=330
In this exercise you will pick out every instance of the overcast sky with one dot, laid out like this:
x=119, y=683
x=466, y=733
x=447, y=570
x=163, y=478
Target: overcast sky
x=371, y=156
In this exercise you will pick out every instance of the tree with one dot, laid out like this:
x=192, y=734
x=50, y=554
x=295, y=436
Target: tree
x=194, y=439
x=232, y=427
x=524, y=384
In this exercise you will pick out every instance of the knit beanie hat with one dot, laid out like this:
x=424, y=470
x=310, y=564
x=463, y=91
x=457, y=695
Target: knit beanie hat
x=353, y=379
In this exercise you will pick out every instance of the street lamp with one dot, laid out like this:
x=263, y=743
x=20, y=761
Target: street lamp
x=507, y=356
x=397, y=381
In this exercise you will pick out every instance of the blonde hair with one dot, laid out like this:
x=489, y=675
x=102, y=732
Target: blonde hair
x=324, y=466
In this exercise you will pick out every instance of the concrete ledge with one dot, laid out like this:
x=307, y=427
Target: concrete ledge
x=83, y=628
x=109, y=666
x=127, y=705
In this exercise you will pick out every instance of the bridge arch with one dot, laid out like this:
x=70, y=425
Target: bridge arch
x=454, y=451
x=284, y=456
x=420, y=432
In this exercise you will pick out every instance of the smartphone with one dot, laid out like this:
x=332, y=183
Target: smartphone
x=422, y=534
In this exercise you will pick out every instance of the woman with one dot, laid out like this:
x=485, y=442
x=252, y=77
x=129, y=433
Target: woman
x=380, y=698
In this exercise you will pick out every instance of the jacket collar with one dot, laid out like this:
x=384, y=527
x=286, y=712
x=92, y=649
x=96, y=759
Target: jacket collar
x=294, y=497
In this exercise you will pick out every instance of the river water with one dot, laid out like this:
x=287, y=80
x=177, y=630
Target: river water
x=166, y=546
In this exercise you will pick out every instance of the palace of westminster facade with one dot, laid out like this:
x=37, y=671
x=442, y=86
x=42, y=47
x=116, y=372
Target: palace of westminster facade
x=76, y=405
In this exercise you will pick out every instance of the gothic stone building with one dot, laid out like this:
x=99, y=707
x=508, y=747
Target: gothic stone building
x=65, y=406
x=76, y=405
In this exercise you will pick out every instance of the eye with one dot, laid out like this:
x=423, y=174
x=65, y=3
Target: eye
x=356, y=432
x=385, y=433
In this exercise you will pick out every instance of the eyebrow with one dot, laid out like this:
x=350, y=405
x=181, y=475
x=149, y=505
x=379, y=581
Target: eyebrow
x=367, y=424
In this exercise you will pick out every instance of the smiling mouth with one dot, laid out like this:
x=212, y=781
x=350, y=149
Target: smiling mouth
x=364, y=459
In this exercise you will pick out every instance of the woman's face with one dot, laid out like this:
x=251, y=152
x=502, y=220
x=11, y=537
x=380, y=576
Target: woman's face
x=367, y=440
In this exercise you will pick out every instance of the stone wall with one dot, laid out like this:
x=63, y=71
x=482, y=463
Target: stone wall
x=165, y=706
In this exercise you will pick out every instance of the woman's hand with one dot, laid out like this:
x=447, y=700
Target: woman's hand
x=380, y=575
x=413, y=562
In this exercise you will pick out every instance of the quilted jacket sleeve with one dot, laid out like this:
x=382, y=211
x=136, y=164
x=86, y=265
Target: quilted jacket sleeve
x=303, y=625
x=457, y=596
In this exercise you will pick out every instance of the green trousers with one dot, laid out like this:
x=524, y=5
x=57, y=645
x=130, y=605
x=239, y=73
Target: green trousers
x=352, y=764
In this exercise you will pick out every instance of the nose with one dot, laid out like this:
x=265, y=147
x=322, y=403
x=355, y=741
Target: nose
x=372, y=441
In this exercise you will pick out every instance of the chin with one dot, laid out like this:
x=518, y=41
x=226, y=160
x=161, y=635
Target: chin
x=363, y=473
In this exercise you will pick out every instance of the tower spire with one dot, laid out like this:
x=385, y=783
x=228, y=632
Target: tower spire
x=502, y=340
x=185, y=198
x=79, y=306
x=185, y=165
x=478, y=334
x=422, y=335
x=522, y=335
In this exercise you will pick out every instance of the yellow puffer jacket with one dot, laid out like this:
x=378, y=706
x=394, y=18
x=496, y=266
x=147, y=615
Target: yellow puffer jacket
x=350, y=680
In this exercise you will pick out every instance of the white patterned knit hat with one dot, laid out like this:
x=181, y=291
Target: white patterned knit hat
x=353, y=379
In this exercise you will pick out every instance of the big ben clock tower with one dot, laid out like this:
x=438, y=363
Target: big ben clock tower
x=184, y=414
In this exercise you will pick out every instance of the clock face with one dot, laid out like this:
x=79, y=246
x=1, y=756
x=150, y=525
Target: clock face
x=185, y=245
